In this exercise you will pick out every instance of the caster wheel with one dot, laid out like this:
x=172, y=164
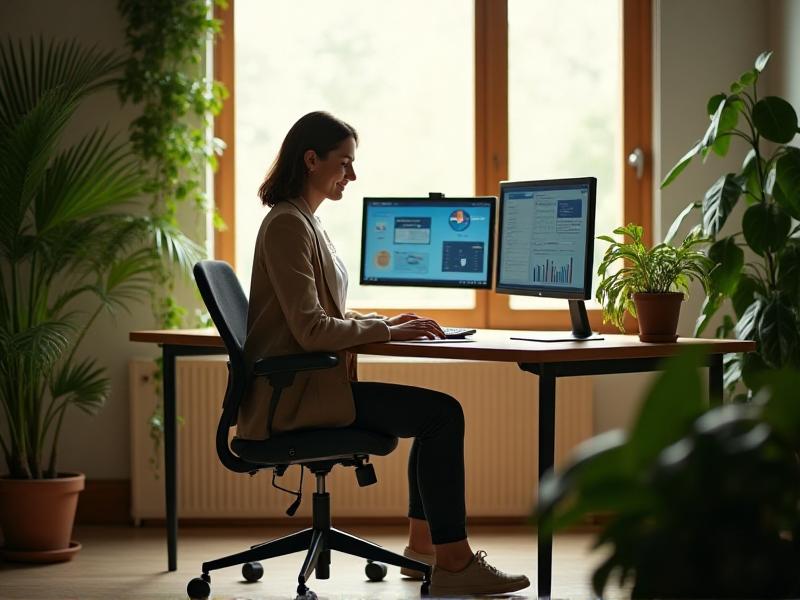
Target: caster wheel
x=305, y=595
x=198, y=589
x=252, y=571
x=426, y=589
x=375, y=571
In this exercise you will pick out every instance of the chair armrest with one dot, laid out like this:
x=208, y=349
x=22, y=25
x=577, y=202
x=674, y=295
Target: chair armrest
x=294, y=363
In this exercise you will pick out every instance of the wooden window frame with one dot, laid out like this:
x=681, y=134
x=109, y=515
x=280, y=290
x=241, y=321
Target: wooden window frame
x=491, y=148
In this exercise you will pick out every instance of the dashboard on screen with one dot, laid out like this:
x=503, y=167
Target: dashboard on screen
x=438, y=242
x=546, y=238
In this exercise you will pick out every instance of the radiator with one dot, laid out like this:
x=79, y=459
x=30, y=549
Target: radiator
x=500, y=408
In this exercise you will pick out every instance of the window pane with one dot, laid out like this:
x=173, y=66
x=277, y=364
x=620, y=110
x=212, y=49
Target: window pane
x=401, y=73
x=565, y=99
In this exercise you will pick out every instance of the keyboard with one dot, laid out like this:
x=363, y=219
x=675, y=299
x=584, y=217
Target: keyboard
x=457, y=332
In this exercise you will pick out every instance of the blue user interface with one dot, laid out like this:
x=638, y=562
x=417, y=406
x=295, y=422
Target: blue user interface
x=427, y=242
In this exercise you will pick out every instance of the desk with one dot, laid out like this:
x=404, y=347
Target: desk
x=614, y=354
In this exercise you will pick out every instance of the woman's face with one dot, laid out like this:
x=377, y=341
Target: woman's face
x=328, y=177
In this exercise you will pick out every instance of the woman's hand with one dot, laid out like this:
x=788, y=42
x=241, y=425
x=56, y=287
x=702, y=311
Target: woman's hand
x=400, y=319
x=415, y=328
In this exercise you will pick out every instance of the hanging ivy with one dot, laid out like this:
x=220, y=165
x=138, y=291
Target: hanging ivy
x=165, y=74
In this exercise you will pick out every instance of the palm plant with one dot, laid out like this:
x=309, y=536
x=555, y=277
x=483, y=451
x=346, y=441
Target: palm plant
x=71, y=247
x=657, y=270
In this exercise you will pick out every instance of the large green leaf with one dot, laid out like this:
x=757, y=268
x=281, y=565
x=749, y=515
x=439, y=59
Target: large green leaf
x=749, y=178
x=718, y=203
x=671, y=405
x=787, y=191
x=673, y=229
x=781, y=408
x=729, y=259
x=710, y=307
x=682, y=164
x=753, y=370
x=93, y=176
x=26, y=149
x=748, y=324
x=765, y=227
x=727, y=122
x=775, y=119
x=789, y=272
x=779, y=333
x=745, y=294
x=29, y=71
x=713, y=128
x=83, y=385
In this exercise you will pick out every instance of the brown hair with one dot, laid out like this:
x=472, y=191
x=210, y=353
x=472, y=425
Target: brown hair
x=318, y=131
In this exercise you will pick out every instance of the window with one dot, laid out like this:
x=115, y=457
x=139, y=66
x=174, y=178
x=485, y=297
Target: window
x=447, y=97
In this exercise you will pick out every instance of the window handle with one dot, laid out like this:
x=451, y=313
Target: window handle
x=636, y=160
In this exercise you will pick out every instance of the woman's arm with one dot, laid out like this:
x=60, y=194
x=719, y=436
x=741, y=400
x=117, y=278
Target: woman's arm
x=289, y=250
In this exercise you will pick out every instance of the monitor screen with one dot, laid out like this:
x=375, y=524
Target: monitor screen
x=546, y=238
x=438, y=242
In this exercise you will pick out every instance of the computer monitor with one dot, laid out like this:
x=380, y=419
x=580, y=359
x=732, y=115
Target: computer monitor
x=433, y=242
x=546, y=242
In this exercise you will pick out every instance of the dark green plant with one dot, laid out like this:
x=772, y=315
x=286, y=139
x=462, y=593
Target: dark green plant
x=71, y=249
x=165, y=74
x=701, y=503
x=764, y=287
x=662, y=268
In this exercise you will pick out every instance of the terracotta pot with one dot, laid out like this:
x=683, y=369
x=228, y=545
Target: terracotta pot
x=37, y=517
x=658, y=315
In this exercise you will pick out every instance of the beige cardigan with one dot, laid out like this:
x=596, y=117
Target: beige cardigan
x=294, y=309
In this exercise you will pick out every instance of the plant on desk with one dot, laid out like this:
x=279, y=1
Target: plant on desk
x=701, y=504
x=650, y=282
x=764, y=292
x=71, y=252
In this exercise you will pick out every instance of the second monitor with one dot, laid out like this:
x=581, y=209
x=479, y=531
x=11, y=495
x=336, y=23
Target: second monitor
x=440, y=242
x=546, y=243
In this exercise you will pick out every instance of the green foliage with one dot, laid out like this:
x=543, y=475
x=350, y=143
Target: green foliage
x=662, y=268
x=763, y=292
x=701, y=503
x=165, y=75
x=70, y=249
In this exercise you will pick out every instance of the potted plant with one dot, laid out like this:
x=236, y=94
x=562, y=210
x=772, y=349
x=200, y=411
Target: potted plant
x=700, y=503
x=70, y=251
x=650, y=283
x=759, y=291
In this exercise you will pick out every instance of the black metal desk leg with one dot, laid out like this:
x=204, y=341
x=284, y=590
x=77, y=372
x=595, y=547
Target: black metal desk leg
x=547, y=438
x=715, y=381
x=170, y=460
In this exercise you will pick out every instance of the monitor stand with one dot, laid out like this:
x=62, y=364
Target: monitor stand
x=581, y=330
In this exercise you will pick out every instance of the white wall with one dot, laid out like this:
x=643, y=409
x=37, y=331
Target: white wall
x=98, y=445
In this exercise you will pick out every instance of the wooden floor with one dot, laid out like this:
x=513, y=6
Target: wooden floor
x=130, y=563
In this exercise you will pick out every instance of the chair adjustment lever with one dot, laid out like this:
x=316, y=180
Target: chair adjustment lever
x=365, y=475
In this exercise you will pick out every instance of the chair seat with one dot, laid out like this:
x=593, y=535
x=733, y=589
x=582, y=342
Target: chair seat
x=313, y=445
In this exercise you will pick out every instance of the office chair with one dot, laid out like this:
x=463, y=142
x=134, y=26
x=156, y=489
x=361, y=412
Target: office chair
x=317, y=450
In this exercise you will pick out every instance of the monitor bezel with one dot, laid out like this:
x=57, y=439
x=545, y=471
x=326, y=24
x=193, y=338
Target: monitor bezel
x=427, y=200
x=548, y=292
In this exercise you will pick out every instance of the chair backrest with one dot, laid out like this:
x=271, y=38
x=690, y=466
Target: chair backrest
x=227, y=305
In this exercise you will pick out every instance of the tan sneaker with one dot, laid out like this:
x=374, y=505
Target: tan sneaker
x=478, y=577
x=411, y=573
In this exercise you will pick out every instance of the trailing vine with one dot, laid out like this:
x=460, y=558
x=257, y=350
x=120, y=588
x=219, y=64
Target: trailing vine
x=165, y=74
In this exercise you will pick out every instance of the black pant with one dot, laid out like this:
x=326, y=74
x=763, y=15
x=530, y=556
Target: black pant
x=436, y=461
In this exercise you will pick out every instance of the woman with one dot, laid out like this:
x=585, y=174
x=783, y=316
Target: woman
x=297, y=304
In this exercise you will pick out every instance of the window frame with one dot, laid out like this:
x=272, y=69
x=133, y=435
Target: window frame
x=492, y=310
